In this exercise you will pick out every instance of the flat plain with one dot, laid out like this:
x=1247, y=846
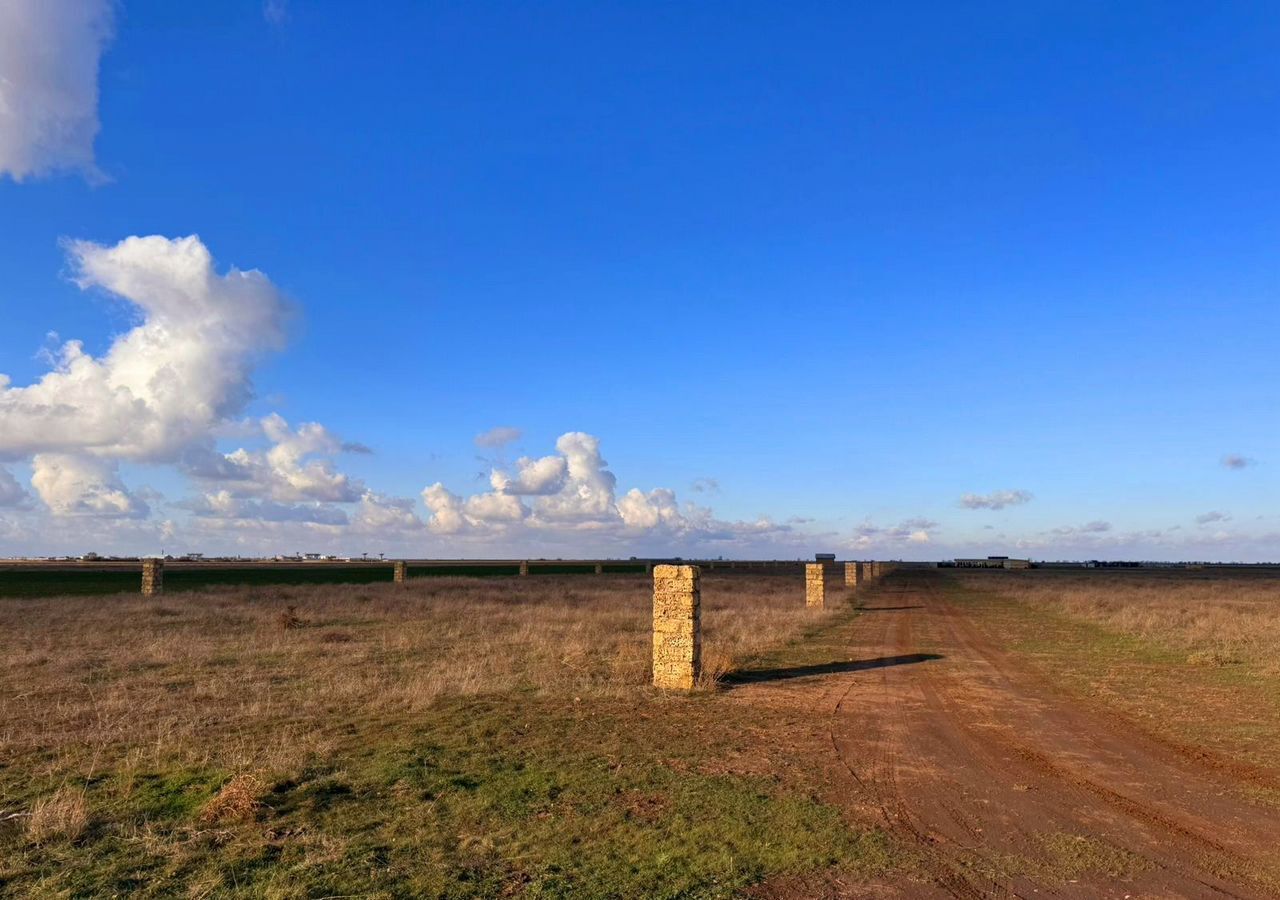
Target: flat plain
x=939, y=733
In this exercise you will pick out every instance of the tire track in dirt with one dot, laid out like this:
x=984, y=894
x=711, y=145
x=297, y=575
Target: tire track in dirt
x=999, y=784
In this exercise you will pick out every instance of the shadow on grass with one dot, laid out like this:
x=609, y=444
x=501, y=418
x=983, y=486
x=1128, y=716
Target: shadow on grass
x=887, y=608
x=754, y=676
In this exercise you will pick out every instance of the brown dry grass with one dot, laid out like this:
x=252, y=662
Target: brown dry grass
x=214, y=679
x=1217, y=618
x=237, y=800
x=63, y=815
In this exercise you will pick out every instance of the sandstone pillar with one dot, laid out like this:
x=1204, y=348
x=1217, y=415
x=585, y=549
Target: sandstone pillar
x=815, y=585
x=152, y=577
x=399, y=571
x=677, y=627
x=851, y=574
x=524, y=567
x=599, y=569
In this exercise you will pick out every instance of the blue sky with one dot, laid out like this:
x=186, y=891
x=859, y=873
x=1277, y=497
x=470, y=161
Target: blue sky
x=821, y=270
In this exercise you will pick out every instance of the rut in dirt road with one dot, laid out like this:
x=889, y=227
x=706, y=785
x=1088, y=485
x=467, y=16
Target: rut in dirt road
x=1006, y=788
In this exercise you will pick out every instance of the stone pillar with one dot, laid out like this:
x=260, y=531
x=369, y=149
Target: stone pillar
x=815, y=585
x=876, y=570
x=648, y=568
x=599, y=569
x=399, y=571
x=152, y=577
x=677, y=627
x=851, y=574
x=524, y=567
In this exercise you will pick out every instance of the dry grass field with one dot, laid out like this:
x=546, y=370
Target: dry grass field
x=948, y=734
x=1193, y=655
x=1218, y=616
x=429, y=738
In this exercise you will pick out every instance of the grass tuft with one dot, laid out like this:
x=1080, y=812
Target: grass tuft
x=62, y=816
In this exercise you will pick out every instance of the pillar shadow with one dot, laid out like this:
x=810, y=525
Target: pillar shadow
x=887, y=608
x=754, y=676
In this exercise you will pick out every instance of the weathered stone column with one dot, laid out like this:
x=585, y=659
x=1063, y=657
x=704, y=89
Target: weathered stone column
x=677, y=627
x=399, y=571
x=599, y=569
x=815, y=585
x=524, y=567
x=152, y=577
x=648, y=568
x=851, y=574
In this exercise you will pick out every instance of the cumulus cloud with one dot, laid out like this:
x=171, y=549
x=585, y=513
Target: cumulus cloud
x=49, y=54
x=166, y=389
x=297, y=466
x=572, y=493
x=72, y=485
x=11, y=493
x=1236, y=461
x=587, y=493
x=165, y=383
x=380, y=514
x=533, y=476
x=996, y=499
x=498, y=437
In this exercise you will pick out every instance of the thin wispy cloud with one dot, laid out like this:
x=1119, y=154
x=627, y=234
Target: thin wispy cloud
x=1236, y=461
x=276, y=11
x=498, y=437
x=1212, y=516
x=995, y=499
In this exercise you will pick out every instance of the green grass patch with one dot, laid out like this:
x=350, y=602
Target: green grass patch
x=510, y=795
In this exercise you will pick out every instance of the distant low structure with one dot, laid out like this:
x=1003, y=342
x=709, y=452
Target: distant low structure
x=994, y=562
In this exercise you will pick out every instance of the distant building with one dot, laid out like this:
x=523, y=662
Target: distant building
x=824, y=557
x=994, y=562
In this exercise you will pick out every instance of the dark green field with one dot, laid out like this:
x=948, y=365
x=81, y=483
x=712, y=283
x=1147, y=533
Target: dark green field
x=53, y=581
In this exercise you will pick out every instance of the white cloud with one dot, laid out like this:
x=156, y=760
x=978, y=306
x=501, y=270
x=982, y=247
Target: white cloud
x=498, y=437
x=380, y=514
x=11, y=493
x=446, y=509
x=162, y=386
x=573, y=500
x=83, y=485
x=165, y=391
x=49, y=54
x=224, y=505
x=646, y=511
x=533, y=476
x=915, y=530
x=295, y=467
x=587, y=492
x=1236, y=461
x=996, y=499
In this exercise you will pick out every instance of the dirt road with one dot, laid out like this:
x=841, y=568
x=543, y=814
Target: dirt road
x=1004, y=786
